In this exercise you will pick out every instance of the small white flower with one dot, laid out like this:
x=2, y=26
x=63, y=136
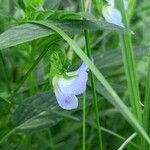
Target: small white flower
x=112, y=15
x=66, y=89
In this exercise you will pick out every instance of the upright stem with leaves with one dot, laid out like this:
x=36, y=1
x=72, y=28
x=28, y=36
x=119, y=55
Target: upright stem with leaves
x=89, y=54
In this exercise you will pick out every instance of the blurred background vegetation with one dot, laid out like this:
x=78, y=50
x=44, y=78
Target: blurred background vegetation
x=34, y=121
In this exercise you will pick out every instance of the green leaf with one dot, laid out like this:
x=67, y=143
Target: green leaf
x=31, y=109
x=28, y=32
x=129, y=139
x=20, y=34
x=41, y=111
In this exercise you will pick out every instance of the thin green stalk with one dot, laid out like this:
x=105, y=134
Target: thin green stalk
x=129, y=139
x=89, y=54
x=84, y=102
x=129, y=64
x=96, y=109
x=146, y=116
x=84, y=123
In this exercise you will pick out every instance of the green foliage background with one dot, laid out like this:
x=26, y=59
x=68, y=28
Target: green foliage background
x=30, y=118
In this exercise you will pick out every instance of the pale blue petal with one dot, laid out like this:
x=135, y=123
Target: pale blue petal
x=83, y=68
x=76, y=84
x=66, y=101
x=112, y=15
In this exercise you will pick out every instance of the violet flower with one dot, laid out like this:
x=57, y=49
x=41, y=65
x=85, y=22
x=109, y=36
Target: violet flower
x=67, y=86
x=113, y=15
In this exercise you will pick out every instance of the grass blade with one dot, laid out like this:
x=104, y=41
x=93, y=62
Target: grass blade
x=127, y=141
x=146, y=116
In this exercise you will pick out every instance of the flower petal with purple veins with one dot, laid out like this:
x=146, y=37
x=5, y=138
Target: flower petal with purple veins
x=66, y=101
x=66, y=89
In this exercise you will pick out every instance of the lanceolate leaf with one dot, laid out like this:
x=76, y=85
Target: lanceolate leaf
x=28, y=32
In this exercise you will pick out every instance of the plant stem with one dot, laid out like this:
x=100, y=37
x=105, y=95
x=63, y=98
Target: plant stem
x=146, y=116
x=84, y=102
x=89, y=54
x=84, y=123
x=96, y=109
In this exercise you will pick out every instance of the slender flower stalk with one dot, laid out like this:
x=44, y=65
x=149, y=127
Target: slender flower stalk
x=84, y=122
x=84, y=102
x=88, y=49
x=146, y=116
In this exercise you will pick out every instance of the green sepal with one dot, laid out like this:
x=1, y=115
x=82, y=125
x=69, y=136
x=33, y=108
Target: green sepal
x=58, y=63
